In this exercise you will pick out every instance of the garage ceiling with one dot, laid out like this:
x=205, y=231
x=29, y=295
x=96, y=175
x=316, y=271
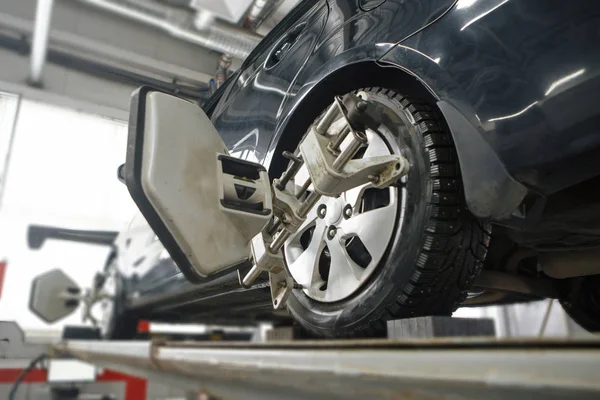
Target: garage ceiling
x=94, y=35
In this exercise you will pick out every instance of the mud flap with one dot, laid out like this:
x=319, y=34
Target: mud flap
x=490, y=191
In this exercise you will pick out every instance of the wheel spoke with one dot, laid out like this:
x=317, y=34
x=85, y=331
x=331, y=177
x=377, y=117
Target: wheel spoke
x=304, y=268
x=344, y=274
x=376, y=147
x=353, y=196
x=371, y=226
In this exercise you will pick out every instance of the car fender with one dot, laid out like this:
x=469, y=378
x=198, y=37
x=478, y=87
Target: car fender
x=519, y=94
x=490, y=191
x=316, y=94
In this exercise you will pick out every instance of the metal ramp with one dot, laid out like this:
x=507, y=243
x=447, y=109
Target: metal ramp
x=458, y=368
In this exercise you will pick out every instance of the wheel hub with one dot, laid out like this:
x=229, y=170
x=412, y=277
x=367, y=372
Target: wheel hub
x=334, y=210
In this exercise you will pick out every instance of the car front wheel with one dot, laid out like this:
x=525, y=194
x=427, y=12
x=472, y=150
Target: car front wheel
x=409, y=250
x=113, y=320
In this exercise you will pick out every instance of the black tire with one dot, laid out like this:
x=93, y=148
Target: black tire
x=435, y=255
x=122, y=325
x=582, y=302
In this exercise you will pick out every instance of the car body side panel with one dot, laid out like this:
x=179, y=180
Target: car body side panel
x=526, y=74
x=248, y=118
x=352, y=35
x=252, y=110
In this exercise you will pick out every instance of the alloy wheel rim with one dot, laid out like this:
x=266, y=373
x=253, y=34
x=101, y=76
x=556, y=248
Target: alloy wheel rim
x=344, y=239
x=107, y=305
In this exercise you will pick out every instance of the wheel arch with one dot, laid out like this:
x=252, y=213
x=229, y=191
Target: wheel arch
x=490, y=191
x=313, y=100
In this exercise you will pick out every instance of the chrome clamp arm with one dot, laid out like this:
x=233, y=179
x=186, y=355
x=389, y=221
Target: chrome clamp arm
x=332, y=170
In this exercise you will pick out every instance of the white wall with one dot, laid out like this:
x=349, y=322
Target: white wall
x=63, y=173
x=526, y=320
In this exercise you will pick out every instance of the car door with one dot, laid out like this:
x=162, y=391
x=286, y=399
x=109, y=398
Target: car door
x=247, y=113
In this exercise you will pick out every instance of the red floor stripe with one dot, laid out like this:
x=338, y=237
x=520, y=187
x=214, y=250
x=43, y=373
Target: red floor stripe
x=10, y=375
x=135, y=388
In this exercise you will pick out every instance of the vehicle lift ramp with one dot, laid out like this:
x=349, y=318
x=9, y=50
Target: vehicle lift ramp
x=456, y=368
